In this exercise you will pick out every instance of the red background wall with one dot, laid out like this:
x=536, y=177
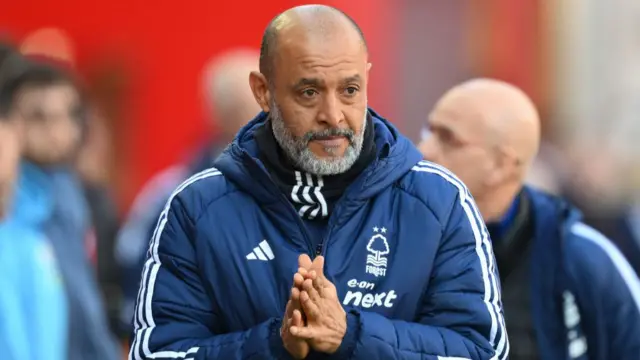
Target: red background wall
x=507, y=42
x=162, y=46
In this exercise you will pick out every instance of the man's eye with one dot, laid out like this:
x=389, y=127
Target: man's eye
x=446, y=137
x=309, y=93
x=350, y=91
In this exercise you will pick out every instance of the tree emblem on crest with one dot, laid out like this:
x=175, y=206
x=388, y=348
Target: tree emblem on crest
x=378, y=247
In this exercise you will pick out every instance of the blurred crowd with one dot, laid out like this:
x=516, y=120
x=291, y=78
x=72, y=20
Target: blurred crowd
x=79, y=258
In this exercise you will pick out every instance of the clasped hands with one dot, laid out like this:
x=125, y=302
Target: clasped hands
x=314, y=317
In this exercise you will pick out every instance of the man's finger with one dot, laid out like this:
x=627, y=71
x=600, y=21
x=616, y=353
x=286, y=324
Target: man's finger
x=297, y=318
x=286, y=326
x=323, y=286
x=285, y=321
x=295, y=296
x=308, y=287
x=288, y=311
x=319, y=281
x=302, y=332
x=318, y=265
x=298, y=279
x=311, y=275
x=310, y=308
x=304, y=261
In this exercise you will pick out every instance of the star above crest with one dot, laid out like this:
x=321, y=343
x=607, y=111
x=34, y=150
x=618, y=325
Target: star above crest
x=378, y=229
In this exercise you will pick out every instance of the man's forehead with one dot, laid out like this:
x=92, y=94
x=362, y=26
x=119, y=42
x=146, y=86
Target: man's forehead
x=458, y=115
x=312, y=70
x=306, y=56
x=305, y=45
x=47, y=95
x=41, y=89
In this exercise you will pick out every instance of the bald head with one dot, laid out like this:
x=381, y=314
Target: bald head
x=505, y=115
x=304, y=23
x=313, y=78
x=487, y=132
x=226, y=89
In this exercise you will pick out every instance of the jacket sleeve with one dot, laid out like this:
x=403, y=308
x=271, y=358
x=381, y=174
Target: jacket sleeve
x=14, y=335
x=49, y=313
x=32, y=301
x=461, y=315
x=610, y=304
x=131, y=254
x=175, y=318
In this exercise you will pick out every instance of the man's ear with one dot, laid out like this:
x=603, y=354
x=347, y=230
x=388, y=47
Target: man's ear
x=260, y=89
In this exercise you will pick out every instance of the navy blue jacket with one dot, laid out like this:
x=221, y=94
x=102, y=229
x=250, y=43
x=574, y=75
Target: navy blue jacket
x=405, y=247
x=585, y=295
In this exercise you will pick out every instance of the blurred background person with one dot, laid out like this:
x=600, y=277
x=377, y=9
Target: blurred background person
x=592, y=182
x=91, y=163
x=230, y=105
x=487, y=133
x=33, y=303
x=92, y=166
x=9, y=60
x=49, y=105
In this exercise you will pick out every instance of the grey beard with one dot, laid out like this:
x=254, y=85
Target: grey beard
x=297, y=148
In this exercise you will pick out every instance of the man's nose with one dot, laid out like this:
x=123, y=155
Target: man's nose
x=331, y=112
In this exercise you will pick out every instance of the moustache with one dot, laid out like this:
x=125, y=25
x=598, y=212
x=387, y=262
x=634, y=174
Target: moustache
x=314, y=135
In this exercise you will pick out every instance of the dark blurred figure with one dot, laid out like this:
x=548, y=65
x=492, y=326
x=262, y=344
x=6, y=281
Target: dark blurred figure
x=567, y=291
x=593, y=184
x=231, y=105
x=9, y=59
x=49, y=105
x=92, y=165
x=33, y=306
x=593, y=180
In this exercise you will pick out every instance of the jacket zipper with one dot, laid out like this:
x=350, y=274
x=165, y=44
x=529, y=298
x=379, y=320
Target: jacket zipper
x=287, y=203
x=321, y=248
x=303, y=230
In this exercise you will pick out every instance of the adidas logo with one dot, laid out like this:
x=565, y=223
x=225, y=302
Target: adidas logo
x=261, y=252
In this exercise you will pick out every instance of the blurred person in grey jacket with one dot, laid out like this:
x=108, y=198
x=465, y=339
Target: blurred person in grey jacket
x=47, y=99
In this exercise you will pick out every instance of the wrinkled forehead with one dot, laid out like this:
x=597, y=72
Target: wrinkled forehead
x=329, y=57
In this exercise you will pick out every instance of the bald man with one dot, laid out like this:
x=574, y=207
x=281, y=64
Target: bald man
x=568, y=291
x=229, y=105
x=401, y=268
x=228, y=97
